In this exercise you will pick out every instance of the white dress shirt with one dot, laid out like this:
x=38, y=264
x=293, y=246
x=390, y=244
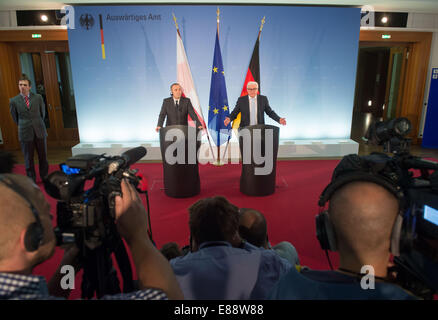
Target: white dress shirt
x=252, y=110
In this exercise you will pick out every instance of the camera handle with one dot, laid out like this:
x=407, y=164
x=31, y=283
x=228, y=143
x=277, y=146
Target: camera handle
x=145, y=192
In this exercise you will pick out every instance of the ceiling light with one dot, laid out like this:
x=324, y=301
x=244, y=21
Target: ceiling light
x=384, y=19
x=44, y=18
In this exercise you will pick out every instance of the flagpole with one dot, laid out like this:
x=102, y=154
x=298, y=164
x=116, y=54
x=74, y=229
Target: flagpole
x=258, y=38
x=261, y=27
x=217, y=15
x=218, y=161
x=203, y=128
x=176, y=24
x=226, y=147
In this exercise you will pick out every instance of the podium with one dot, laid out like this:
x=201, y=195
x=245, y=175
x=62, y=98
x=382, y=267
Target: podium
x=180, y=162
x=259, y=148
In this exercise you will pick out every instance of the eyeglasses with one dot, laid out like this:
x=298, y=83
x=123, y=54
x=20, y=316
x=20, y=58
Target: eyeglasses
x=251, y=88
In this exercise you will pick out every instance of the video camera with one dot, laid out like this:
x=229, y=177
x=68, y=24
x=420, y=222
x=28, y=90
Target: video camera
x=391, y=134
x=417, y=179
x=86, y=217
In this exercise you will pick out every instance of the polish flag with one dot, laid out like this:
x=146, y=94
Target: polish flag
x=184, y=78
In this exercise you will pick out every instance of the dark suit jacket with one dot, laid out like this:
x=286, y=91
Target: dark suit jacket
x=174, y=116
x=242, y=106
x=29, y=120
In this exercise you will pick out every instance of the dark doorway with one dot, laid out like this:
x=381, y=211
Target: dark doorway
x=378, y=81
x=48, y=66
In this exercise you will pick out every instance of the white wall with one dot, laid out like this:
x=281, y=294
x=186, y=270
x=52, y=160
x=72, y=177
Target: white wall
x=8, y=18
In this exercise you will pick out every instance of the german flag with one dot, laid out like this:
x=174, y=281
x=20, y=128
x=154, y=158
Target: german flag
x=101, y=37
x=252, y=74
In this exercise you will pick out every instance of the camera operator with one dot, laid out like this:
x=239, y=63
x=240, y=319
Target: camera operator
x=27, y=239
x=361, y=216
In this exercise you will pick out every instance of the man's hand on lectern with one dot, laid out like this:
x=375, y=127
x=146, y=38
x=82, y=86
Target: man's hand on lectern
x=283, y=121
x=157, y=129
x=227, y=121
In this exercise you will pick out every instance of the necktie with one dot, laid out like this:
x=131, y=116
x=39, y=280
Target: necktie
x=176, y=104
x=26, y=99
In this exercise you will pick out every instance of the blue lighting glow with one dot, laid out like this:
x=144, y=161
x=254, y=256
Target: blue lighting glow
x=308, y=69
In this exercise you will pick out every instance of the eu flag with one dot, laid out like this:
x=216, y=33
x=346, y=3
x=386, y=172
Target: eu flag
x=218, y=108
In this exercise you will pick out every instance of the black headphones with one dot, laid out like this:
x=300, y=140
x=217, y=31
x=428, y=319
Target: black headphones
x=35, y=231
x=325, y=231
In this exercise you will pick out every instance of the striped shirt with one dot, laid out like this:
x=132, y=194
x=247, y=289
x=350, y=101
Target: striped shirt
x=31, y=287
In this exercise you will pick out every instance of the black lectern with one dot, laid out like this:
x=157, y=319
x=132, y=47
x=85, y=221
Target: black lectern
x=179, y=150
x=258, y=148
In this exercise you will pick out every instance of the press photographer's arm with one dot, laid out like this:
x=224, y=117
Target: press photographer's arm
x=71, y=258
x=153, y=270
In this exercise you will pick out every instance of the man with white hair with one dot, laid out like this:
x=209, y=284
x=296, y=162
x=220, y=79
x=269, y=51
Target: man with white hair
x=253, y=107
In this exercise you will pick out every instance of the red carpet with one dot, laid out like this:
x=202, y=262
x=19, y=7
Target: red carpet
x=290, y=211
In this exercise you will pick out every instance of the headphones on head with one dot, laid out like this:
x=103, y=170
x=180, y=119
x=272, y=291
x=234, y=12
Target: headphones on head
x=35, y=231
x=325, y=231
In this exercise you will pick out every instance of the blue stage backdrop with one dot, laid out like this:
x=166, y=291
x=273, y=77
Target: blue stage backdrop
x=308, y=58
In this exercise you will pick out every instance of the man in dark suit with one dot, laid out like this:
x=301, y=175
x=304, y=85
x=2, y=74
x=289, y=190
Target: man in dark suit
x=253, y=108
x=28, y=111
x=176, y=109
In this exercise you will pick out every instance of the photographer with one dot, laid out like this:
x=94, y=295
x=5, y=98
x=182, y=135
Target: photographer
x=220, y=265
x=27, y=239
x=359, y=224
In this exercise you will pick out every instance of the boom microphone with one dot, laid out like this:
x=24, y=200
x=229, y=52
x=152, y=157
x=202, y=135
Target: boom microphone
x=131, y=156
x=127, y=158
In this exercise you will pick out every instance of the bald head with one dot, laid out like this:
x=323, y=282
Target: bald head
x=16, y=215
x=363, y=215
x=252, y=227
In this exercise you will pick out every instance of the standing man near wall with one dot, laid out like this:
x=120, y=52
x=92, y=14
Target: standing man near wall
x=28, y=111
